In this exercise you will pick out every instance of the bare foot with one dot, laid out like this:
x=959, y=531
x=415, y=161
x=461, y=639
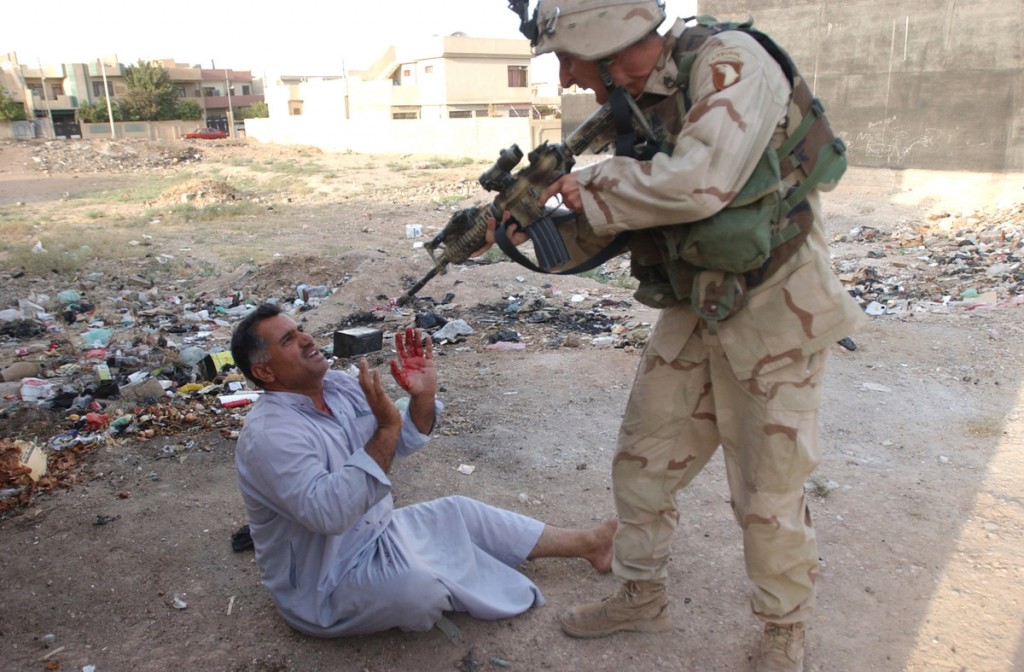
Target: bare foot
x=601, y=558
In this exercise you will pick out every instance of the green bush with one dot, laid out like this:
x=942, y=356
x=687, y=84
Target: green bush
x=10, y=109
x=188, y=110
x=258, y=110
x=96, y=112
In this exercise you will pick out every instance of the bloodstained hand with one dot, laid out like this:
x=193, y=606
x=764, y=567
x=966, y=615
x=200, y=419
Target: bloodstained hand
x=414, y=370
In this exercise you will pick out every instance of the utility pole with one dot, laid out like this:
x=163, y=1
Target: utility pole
x=46, y=103
x=106, y=94
x=231, y=114
x=227, y=87
x=344, y=72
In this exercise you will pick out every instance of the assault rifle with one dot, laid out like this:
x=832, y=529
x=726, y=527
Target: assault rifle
x=519, y=194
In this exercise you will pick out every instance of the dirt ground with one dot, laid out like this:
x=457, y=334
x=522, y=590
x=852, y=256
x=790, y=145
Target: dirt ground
x=127, y=565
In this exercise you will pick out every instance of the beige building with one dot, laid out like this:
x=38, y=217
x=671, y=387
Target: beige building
x=453, y=77
x=455, y=94
x=54, y=93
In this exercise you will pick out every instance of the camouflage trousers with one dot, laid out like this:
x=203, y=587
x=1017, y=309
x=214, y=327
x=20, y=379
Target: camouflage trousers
x=677, y=416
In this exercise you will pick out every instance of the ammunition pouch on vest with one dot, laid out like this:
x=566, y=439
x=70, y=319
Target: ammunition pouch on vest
x=739, y=237
x=711, y=263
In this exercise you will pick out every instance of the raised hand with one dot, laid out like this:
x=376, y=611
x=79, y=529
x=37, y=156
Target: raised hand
x=381, y=446
x=414, y=369
x=387, y=414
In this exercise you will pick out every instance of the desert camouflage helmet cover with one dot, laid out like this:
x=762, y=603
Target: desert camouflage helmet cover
x=593, y=29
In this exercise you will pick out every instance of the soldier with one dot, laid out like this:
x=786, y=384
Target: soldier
x=717, y=200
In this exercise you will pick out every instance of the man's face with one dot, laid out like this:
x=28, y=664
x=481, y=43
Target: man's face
x=295, y=363
x=584, y=74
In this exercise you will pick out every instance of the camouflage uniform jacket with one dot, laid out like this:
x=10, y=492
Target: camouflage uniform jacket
x=740, y=103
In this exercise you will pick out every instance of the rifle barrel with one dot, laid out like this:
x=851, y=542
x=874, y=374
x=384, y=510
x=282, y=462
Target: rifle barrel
x=409, y=293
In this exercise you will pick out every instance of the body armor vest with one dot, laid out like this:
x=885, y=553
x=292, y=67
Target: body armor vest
x=711, y=263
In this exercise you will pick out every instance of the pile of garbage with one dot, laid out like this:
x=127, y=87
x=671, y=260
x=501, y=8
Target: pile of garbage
x=546, y=317
x=151, y=366
x=102, y=376
x=111, y=156
x=949, y=261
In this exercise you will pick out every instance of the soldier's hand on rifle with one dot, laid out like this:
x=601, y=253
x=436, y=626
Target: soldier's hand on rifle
x=515, y=234
x=569, y=188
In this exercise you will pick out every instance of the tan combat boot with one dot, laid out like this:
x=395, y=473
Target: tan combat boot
x=782, y=649
x=638, y=606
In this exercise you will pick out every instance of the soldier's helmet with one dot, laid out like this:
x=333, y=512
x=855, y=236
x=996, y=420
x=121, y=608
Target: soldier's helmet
x=593, y=29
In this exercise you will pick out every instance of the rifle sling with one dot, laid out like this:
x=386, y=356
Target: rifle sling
x=611, y=250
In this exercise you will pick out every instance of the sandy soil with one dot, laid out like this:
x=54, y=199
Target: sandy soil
x=917, y=502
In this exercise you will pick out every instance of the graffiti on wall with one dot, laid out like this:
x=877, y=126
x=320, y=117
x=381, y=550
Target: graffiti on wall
x=890, y=145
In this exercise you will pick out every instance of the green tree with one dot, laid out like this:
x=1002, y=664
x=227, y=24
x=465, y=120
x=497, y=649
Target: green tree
x=10, y=109
x=89, y=113
x=150, y=94
x=189, y=110
x=258, y=110
x=96, y=112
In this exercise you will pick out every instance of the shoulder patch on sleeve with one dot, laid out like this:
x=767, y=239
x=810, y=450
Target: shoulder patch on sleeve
x=726, y=72
x=726, y=63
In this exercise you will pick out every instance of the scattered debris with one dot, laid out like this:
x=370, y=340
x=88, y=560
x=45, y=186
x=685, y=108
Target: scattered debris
x=948, y=261
x=107, y=357
x=201, y=192
x=110, y=156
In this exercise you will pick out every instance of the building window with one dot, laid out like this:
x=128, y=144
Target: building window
x=295, y=108
x=460, y=114
x=181, y=91
x=57, y=90
x=210, y=91
x=245, y=89
x=404, y=115
x=97, y=90
x=517, y=78
x=428, y=69
x=37, y=91
x=406, y=73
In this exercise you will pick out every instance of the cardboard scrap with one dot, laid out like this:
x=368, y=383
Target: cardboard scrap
x=34, y=458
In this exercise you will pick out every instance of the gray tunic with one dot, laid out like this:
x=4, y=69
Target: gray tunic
x=336, y=556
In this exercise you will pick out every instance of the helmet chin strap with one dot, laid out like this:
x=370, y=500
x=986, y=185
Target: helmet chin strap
x=618, y=101
x=604, y=65
x=624, y=113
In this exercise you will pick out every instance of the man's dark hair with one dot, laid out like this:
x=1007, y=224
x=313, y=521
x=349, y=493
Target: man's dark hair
x=247, y=348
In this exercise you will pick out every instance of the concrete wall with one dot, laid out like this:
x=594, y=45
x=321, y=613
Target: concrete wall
x=929, y=84
x=143, y=130
x=18, y=130
x=477, y=138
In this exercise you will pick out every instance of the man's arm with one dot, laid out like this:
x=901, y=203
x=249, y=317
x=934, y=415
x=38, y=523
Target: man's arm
x=382, y=444
x=721, y=141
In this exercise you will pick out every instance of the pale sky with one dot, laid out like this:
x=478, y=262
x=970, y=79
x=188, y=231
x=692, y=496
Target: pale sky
x=269, y=38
